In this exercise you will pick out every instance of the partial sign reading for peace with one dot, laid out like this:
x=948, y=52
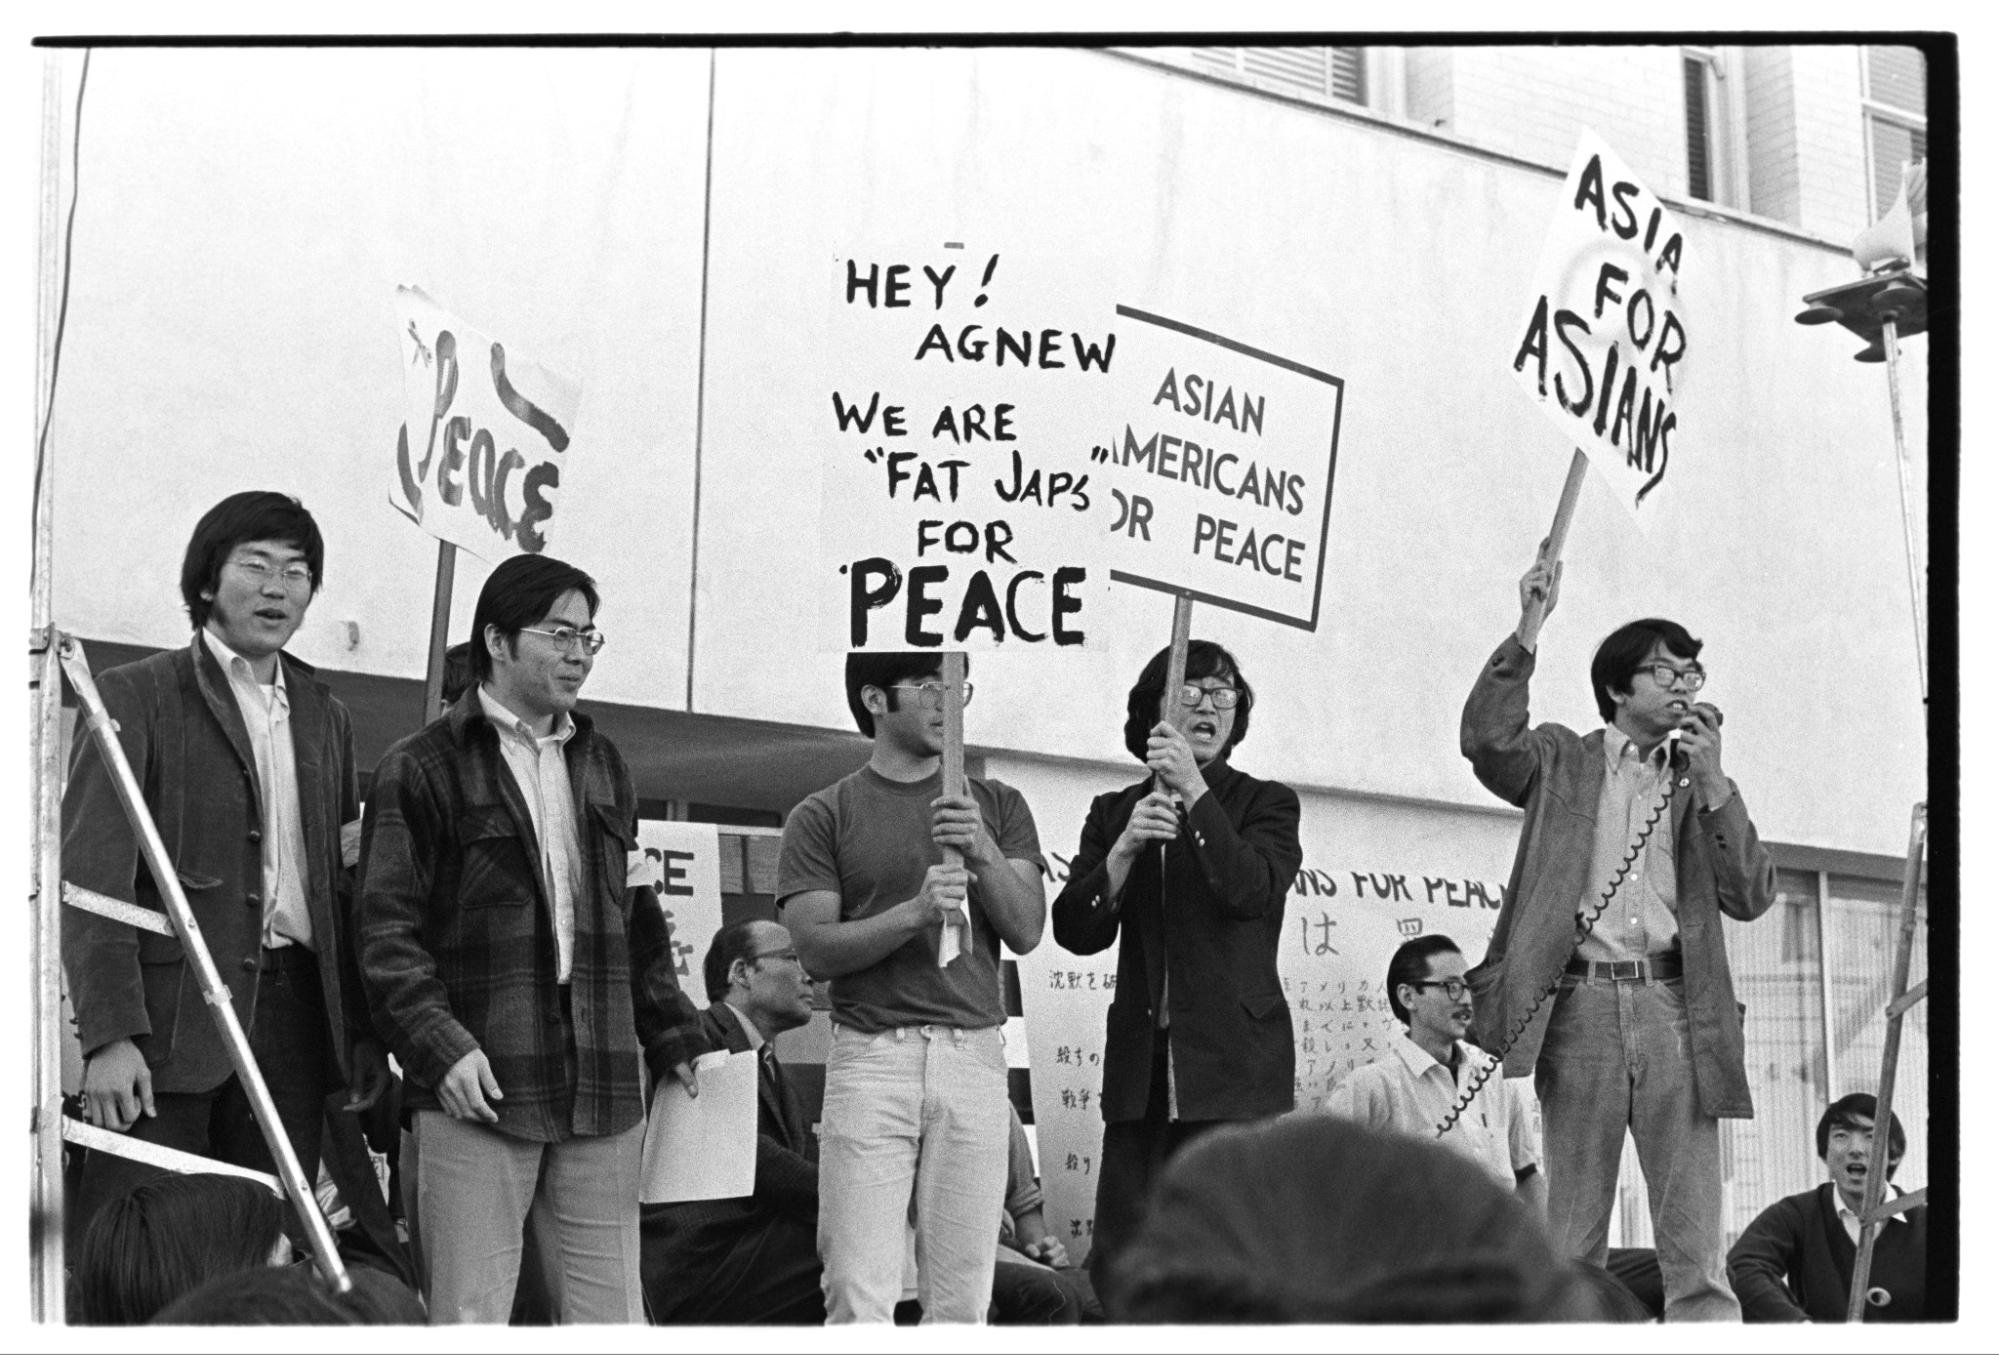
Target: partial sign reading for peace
x=480, y=455
x=1217, y=475
x=954, y=485
x=1602, y=348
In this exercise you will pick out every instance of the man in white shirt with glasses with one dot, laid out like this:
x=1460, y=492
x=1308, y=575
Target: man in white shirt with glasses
x=1434, y=1086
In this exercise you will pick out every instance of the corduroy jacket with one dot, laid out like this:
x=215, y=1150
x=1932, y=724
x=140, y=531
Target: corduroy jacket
x=190, y=751
x=1556, y=775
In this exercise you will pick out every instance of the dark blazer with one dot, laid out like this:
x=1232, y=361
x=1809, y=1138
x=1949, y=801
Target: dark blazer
x=190, y=751
x=682, y=1242
x=1795, y=1263
x=1212, y=922
x=1556, y=775
x=458, y=945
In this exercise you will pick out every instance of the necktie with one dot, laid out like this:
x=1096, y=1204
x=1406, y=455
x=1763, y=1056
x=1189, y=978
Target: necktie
x=773, y=1074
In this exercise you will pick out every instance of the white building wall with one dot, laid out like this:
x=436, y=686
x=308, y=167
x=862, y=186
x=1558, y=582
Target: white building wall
x=246, y=215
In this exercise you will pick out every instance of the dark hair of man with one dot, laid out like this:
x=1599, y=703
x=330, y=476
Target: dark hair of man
x=519, y=593
x=737, y=941
x=1411, y=964
x=1855, y=1110
x=1205, y=659
x=1315, y=1219
x=884, y=669
x=253, y=515
x=167, y=1236
x=295, y=1296
x=1622, y=652
x=457, y=671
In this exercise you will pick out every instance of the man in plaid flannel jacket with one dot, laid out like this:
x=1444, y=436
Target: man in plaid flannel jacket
x=514, y=975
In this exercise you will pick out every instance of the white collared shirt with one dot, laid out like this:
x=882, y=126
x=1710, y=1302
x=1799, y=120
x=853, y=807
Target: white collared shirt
x=267, y=713
x=1851, y=1221
x=1643, y=917
x=1407, y=1091
x=749, y=1026
x=542, y=773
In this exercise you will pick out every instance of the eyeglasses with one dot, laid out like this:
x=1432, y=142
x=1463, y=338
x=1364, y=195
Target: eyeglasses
x=1666, y=675
x=788, y=956
x=1454, y=989
x=930, y=695
x=1225, y=697
x=565, y=637
x=295, y=578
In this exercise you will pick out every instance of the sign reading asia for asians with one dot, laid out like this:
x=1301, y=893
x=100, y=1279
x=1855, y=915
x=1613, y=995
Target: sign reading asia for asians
x=485, y=438
x=1217, y=476
x=957, y=487
x=1603, y=347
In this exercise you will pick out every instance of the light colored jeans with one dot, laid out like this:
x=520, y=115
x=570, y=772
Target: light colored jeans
x=1617, y=1054
x=921, y=1106
x=477, y=1186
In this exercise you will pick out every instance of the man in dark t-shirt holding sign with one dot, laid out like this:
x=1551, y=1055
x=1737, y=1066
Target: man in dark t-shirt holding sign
x=916, y=1084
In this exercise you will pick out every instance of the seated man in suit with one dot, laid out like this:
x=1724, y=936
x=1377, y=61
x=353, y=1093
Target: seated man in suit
x=754, y=1259
x=1794, y=1263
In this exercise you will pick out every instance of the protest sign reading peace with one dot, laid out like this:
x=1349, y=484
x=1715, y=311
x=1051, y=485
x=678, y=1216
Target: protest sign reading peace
x=480, y=454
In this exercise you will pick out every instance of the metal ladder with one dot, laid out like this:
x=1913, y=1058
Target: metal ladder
x=1875, y=1212
x=54, y=655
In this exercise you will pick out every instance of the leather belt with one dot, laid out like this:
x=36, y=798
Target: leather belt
x=1657, y=968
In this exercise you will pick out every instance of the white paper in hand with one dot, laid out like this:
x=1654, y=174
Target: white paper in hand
x=703, y=1147
x=950, y=941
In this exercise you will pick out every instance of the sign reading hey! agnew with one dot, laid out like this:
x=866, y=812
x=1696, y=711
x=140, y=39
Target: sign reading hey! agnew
x=955, y=489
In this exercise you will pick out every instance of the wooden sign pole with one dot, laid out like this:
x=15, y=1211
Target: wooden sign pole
x=949, y=940
x=440, y=626
x=1558, y=535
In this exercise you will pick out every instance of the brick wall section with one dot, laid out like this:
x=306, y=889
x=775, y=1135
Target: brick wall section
x=1771, y=123
x=1831, y=147
x=1532, y=102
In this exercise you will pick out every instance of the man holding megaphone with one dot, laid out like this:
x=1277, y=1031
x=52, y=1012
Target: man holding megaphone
x=1606, y=976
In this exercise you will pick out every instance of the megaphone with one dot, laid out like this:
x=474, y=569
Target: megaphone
x=1893, y=239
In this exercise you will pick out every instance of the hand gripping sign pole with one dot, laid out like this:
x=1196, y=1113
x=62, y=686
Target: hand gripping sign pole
x=951, y=936
x=213, y=990
x=1551, y=549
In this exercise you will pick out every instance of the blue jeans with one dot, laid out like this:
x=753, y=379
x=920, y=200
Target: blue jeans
x=1617, y=1054
x=916, y=1110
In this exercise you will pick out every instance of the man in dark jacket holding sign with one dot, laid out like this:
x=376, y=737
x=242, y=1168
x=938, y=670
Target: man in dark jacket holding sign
x=1193, y=871
x=1630, y=853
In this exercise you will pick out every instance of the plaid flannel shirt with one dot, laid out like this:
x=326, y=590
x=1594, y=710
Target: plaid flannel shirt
x=458, y=950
